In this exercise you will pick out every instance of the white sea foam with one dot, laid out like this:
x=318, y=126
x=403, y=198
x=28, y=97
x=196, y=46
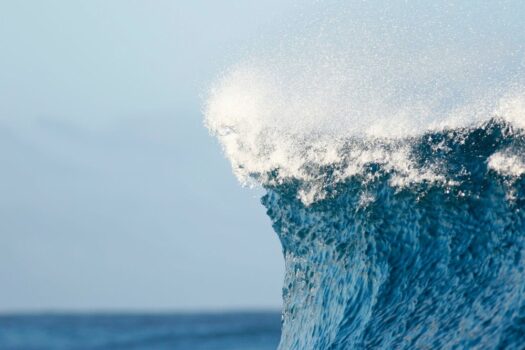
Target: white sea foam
x=376, y=79
x=508, y=164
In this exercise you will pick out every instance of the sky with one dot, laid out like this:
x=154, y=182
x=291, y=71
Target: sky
x=113, y=194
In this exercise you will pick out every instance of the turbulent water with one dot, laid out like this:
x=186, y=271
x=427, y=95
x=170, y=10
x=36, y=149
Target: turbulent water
x=423, y=267
x=390, y=141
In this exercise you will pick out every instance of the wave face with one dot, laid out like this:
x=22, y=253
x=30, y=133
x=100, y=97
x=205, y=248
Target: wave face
x=390, y=140
x=424, y=267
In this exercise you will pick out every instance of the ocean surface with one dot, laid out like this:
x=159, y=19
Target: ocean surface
x=214, y=331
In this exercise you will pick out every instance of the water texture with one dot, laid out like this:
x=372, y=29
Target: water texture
x=423, y=267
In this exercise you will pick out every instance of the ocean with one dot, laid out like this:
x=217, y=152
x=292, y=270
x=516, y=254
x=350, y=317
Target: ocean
x=202, y=331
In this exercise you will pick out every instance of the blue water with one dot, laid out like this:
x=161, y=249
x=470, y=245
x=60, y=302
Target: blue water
x=426, y=266
x=221, y=331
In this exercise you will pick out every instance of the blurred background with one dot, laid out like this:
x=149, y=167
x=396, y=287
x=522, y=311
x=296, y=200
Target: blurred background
x=113, y=195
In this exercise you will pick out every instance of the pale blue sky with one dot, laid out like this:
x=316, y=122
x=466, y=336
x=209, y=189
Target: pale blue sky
x=113, y=195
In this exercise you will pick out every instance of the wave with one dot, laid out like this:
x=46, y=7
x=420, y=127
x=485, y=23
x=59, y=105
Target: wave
x=392, y=152
x=421, y=267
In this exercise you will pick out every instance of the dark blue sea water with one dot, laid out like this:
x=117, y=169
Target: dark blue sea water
x=218, y=331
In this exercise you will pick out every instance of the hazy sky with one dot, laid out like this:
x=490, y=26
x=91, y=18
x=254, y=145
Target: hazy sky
x=113, y=195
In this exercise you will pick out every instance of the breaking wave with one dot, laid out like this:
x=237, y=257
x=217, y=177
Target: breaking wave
x=390, y=142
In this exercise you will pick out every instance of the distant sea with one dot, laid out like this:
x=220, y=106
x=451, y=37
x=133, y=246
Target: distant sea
x=203, y=331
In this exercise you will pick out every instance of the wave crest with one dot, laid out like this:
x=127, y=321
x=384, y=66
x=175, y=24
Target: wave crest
x=289, y=115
